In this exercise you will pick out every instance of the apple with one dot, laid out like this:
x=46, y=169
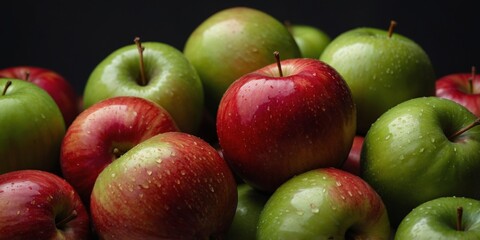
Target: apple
x=104, y=132
x=442, y=218
x=40, y=205
x=284, y=119
x=310, y=39
x=171, y=186
x=421, y=149
x=32, y=127
x=462, y=88
x=250, y=205
x=232, y=42
x=62, y=92
x=152, y=70
x=381, y=68
x=325, y=203
x=352, y=163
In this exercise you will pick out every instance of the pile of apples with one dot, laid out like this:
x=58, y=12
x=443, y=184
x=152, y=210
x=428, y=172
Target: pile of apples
x=258, y=129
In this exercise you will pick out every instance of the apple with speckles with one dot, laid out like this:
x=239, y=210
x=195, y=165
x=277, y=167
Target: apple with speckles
x=37, y=204
x=284, y=119
x=172, y=186
x=326, y=203
x=105, y=131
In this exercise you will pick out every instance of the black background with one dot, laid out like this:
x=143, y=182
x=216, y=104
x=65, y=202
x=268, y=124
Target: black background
x=72, y=37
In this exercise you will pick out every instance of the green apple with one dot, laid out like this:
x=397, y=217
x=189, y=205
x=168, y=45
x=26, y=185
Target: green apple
x=326, y=203
x=442, y=218
x=382, y=69
x=311, y=40
x=233, y=42
x=249, y=206
x=419, y=150
x=169, y=80
x=32, y=127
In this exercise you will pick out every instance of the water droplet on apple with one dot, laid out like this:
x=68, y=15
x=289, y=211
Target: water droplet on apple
x=113, y=175
x=149, y=172
x=338, y=184
x=177, y=181
x=300, y=213
x=422, y=149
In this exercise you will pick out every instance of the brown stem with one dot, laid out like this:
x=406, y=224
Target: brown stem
x=27, y=75
x=6, y=87
x=64, y=221
x=468, y=127
x=143, y=80
x=393, y=24
x=459, y=219
x=277, y=58
x=470, y=80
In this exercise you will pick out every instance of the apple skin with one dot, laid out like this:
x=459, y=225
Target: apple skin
x=271, y=128
x=437, y=218
x=173, y=82
x=233, y=42
x=171, y=186
x=34, y=202
x=310, y=40
x=456, y=87
x=250, y=205
x=352, y=164
x=408, y=158
x=325, y=203
x=117, y=123
x=55, y=84
x=32, y=128
x=381, y=71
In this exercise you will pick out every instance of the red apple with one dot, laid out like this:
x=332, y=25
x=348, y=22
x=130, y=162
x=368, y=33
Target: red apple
x=285, y=119
x=352, y=164
x=53, y=83
x=37, y=204
x=463, y=88
x=103, y=132
x=171, y=186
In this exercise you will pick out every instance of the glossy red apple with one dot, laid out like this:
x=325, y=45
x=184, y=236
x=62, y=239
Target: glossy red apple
x=52, y=82
x=352, y=164
x=105, y=131
x=285, y=119
x=463, y=88
x=36, y=204
x=171, y=186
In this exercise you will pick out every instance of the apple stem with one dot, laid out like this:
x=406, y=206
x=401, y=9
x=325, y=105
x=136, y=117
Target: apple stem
x=27, y=76
x=468, y=127
x=143, y=80
x=277, y=58
x=470, y=80
x=64, y=221
x=393, y=24
x=6, y=87
x=459, y=219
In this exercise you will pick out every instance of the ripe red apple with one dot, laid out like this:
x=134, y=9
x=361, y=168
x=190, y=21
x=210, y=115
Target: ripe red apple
x=352, y=164
x=53, y=83
x=285, y=119
x=463, y=88
x=103, y=132
x=37, y=204
x=171, y=186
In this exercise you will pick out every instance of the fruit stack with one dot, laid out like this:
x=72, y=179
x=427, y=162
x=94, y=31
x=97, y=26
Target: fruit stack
x=257, y=129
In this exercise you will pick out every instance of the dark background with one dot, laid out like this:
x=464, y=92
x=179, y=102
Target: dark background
x=72, y=37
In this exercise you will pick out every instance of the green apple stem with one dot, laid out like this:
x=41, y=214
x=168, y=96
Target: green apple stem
x=459, y=219
x=393, y=24
x=67, y=219
x=470, y=80
x=143, y=80
x=279, y=65
x=6, y=87
x=468, y=127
